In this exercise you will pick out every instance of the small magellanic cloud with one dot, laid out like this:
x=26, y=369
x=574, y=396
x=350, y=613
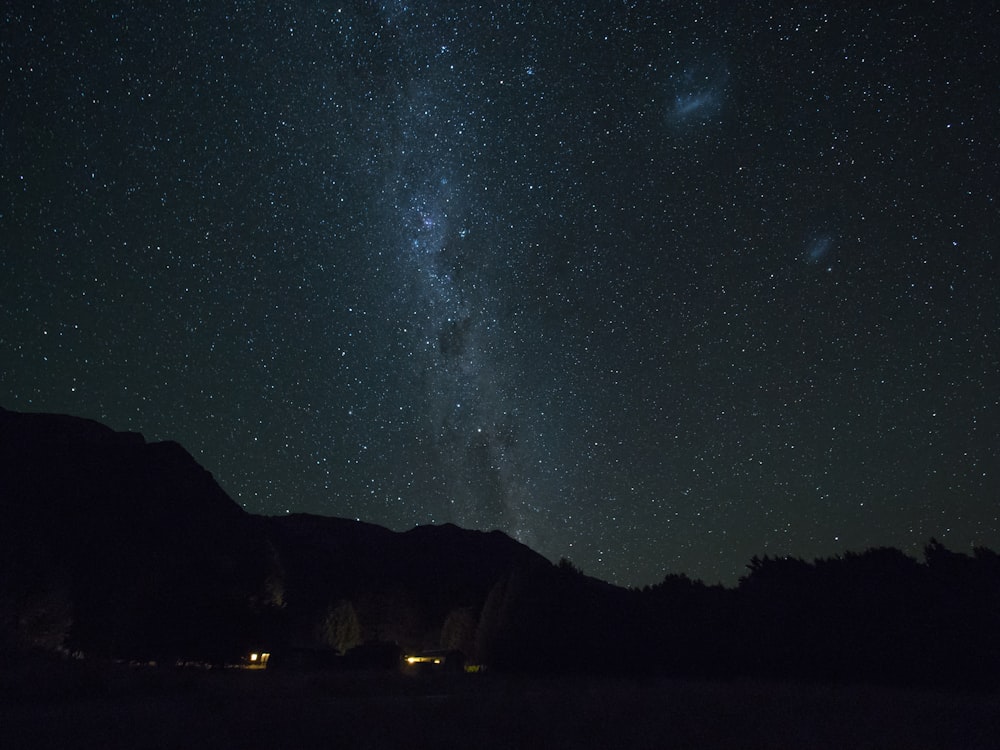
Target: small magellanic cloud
x=819, y=248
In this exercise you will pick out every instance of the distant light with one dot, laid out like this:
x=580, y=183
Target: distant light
x=418, y=659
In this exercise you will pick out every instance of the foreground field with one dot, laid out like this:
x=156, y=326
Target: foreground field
x=80, y=705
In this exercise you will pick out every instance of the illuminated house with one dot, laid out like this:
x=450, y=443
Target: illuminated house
x=257, y=660
x=443, y=660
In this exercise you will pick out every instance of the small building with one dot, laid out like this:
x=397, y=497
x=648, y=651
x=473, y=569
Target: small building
x=256, y=660
x=443, y=660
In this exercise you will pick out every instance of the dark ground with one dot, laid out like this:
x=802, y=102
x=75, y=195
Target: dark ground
x=69, y=705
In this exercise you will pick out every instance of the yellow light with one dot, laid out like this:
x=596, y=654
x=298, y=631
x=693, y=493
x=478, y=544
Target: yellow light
x=253, y=657
x=422, y=660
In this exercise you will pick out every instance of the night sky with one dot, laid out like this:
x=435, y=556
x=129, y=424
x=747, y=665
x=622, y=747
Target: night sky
x=653, y=286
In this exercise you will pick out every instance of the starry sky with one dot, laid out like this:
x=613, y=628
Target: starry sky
x=652, y=286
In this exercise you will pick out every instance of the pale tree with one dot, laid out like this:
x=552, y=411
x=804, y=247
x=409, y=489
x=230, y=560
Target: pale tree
x=340, y=627
x=459, y=630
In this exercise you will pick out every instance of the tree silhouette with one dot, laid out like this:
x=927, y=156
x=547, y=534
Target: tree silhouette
x=459, y=630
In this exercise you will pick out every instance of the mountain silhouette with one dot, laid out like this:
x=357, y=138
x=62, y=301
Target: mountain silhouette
x=115, y=546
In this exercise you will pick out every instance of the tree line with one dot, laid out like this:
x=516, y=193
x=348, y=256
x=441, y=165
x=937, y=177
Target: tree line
x=878, y=616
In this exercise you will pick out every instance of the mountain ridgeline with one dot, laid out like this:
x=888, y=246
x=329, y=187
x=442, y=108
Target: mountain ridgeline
x=118, y=548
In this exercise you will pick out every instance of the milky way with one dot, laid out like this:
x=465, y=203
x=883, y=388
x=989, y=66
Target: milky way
x=653, y=286
x=444, y=242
